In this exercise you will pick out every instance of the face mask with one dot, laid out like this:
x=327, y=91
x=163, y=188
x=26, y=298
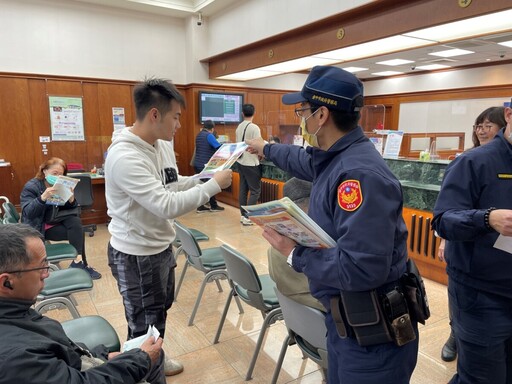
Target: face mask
x=51, y=179
x=310, y=138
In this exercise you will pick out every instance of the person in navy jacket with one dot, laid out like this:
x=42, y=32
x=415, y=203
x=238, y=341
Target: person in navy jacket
x=358, y=201
x=473, y=208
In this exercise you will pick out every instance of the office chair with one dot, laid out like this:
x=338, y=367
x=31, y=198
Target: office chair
x=85, y=199
x=92, y=331
x=209, y=261
x=306, y=328
x=255, y=290
x=59, y=287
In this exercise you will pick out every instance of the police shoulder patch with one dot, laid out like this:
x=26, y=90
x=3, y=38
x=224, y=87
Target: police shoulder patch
x=350, y=195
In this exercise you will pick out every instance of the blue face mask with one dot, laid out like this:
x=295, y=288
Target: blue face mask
x=51, y=179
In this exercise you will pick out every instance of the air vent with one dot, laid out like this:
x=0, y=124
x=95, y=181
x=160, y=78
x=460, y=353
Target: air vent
x=442, y=61
x=498, y=38
x=469, y=44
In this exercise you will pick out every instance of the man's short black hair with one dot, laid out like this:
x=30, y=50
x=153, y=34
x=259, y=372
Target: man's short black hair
x=248, y=110
x=155, y=93
x=208, y=124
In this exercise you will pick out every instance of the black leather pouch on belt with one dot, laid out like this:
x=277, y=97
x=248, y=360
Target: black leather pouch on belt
x=415, y=294
x=399, y=320
x=364, y=315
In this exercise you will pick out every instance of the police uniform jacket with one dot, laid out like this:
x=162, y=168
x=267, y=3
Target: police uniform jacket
x=357, y=200
x=475, y=181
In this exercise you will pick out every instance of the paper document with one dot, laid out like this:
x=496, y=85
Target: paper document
x=223, y=158
x=285, y=217
x=138, y=341
x=64, y=187
x=504, y=243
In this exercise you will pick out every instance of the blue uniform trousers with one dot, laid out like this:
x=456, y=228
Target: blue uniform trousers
x=349, y=363
x=483, y=331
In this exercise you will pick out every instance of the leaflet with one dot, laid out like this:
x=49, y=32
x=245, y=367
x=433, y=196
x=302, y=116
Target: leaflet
x=138, y=341
x=286, y=217
x=64, y=189
x=222, y=159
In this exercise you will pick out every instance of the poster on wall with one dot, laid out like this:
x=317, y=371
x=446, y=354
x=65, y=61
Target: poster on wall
x=118, y=118
x=66, y=118
x=393, y=143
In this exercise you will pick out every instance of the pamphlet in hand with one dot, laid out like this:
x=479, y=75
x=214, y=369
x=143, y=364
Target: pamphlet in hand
x=138, y=341
x=64, y=186
x=285, y=217
x=224, y=158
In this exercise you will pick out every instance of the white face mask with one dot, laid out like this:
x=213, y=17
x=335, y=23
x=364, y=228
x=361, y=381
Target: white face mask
x=310, y=138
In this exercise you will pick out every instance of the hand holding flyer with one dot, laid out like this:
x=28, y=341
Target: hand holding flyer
x=138, y=341
x=64, y=186
x=224, y=158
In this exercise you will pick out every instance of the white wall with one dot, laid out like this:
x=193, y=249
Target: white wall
x=68, y=38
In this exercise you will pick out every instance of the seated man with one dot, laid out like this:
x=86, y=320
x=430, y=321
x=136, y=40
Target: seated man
x=34, y=348
x=289, y=282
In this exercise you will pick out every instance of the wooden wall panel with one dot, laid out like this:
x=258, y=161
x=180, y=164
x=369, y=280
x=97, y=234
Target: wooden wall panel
x=40, y=120
x=16, y=132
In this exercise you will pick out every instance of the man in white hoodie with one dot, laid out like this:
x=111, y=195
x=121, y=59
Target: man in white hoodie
x=144, y=194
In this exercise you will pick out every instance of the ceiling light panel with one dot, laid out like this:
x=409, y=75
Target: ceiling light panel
x=476, y=26
x=395, y=62
x=451, y=53
x=506, y=43
x=374, y=48
x=387, y=73
x=355, y=69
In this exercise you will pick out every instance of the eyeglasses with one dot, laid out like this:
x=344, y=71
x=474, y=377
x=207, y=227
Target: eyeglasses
x=484, y=128
x=45, y=269
x=299, y=111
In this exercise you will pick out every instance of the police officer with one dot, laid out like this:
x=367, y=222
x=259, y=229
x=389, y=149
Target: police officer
x=358, y=201
x=473, y=208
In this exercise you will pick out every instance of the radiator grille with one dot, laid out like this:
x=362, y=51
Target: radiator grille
x=269, y=191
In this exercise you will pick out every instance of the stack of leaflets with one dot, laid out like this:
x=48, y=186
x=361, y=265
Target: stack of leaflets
x=285, y=217
x=223, y=158
x=64, y=186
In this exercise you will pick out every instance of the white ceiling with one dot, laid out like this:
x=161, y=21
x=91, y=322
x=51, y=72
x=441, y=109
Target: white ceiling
x=486, y=48
x=174, y=8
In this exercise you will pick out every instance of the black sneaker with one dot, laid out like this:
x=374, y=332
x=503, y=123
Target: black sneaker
x=202, y=209
x=95, y=275
x=217, y=208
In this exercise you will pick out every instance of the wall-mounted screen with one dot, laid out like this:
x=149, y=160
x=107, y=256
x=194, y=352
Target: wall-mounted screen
x=223, y=108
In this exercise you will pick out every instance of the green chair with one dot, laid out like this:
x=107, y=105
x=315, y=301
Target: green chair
x=198, y=235
x=92, y=331
x=209, y=261
x=59, y=287
x=256, y=290
x=306, y=328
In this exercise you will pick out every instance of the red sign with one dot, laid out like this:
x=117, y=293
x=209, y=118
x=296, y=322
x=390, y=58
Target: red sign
x=350, y=195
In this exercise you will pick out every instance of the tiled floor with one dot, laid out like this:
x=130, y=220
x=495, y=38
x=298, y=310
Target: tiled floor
x=227, y=361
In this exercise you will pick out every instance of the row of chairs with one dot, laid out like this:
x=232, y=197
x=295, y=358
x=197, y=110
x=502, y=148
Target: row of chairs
x=306, y=326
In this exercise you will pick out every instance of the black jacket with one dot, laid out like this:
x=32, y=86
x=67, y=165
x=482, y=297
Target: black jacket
x=35, y=349
x=33, y=209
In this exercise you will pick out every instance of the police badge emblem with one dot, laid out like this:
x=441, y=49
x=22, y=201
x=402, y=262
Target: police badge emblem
x=350, y=195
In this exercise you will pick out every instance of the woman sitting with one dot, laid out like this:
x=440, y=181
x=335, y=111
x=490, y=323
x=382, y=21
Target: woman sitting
x=36, y=212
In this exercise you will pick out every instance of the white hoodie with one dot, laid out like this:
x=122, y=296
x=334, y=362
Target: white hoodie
x=145, y=193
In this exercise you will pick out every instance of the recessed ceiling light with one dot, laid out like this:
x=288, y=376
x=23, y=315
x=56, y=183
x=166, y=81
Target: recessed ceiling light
x=451, y=53
x=355, y=69
x=506, y=43
x=431, y=67
x=387, y=73
x=395, y=62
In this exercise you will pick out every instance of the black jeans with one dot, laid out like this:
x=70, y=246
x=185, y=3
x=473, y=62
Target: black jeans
x=69, y=229
x=250, y=181
x=213, y=200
